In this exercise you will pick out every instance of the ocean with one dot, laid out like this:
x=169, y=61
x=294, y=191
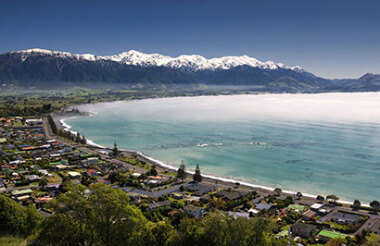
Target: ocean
x=312, y=143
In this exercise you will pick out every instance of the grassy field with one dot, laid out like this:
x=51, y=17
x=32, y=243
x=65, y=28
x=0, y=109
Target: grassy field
x=12, y=241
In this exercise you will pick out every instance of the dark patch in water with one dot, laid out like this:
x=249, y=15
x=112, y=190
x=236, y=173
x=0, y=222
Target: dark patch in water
x=346, y=174
x=361, y=156
x=295, y=161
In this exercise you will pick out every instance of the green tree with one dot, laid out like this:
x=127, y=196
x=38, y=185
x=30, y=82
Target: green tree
x=17, y=220
x=115, y=150
x=43, y=182
x=320, y=198
x=104, y=217
x=197, y=177
x=332, y=198
x=181, y=173
x=356, y=204
x=153, y=171
x=375, y=205
x=299, y=195
x=278, y=191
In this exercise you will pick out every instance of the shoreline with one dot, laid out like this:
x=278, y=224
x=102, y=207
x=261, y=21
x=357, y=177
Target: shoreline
x=210, y=178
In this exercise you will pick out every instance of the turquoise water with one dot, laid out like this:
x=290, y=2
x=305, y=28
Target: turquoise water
x=316, y=144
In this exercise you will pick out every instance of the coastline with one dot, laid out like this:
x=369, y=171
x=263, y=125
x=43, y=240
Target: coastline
x=210, y=178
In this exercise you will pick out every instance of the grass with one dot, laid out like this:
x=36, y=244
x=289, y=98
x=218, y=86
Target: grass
x=12, y=241
x=373, y=238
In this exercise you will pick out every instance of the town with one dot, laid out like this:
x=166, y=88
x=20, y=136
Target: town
x=40, y=160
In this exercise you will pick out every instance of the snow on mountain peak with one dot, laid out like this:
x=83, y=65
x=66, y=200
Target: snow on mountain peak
x=195, y=62
x=28, y=52
x=191, y=62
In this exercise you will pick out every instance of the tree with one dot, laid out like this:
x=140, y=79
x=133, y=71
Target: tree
x=43, y=182
x=278, y=191
x=153, y=171
x=197, y=177
x=52, y=124
x=83, y=140
x=17, y=220
x=78, y=137
x=332, y=198
x=181, y=173
x=115, y=150
x=356, y=204
x=375, y=205
x=104, y=217
x=299, y=195
x=320, y=198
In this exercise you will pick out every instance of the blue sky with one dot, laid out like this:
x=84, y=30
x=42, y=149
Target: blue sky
x=330, y=38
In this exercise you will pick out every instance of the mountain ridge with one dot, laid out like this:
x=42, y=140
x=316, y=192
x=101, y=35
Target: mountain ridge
x=194, y=62
x=39, y=68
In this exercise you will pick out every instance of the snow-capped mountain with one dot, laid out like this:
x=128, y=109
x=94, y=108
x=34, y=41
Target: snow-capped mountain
x=191, y=62
x=40, y=68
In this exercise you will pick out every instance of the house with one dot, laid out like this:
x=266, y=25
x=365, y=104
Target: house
x=155, y=205
x=309, y=215
x=178, y=195
x=191, y=210
x=42, y=200
x=238, y=214
x=135, y=197
x=264, y=206
x=316, y=207
x=205, y=198
x=74, y=175
x=200, y=189
x=253, y=212
x=325, y=235
x=33, y=178
x=229, y=195
x=33, y=122
x=136, y=175
x=155, y=179
x=18, y=193
x=345, y=218
x=303, y=230
x=91, y=173
x=52, y=187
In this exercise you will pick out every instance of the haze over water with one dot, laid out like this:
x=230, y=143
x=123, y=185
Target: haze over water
x=313, y=143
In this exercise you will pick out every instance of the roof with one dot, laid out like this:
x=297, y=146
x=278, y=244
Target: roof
x=309, y=213
x=238, y=214
x=299, y=226
x=263, y=206
x=91, y=171
x=21, y=192
x=331, y=234
x=192, y=208
x=346, y=217
x=156, y=177
x=316, y=206
x=73, y=173
x=283, y=233
x=201, y=189
x=159, y=204
x=230, y=195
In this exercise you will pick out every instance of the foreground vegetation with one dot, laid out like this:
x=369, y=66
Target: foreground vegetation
x=101, y=215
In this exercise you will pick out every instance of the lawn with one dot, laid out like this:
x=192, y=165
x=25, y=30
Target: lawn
x=12, y=241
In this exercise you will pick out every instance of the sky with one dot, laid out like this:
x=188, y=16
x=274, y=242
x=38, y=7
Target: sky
x=330, y=38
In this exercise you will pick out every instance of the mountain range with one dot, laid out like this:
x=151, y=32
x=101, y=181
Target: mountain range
x=45, y=69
